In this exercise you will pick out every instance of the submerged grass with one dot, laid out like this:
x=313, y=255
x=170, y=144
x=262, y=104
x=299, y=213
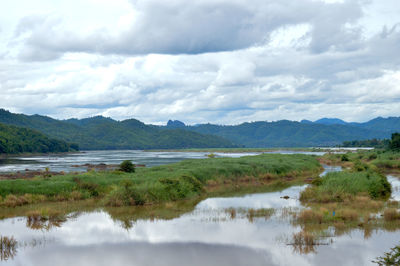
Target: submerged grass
x=8, y=248
x=184, y=180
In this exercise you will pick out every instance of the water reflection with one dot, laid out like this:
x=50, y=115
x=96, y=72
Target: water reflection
x=142, y=253
x=192, y=239
x=8, y=248
x=218, y=231
x=395, y=181
x=39, y=222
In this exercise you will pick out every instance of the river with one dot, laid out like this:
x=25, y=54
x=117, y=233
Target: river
x=207, y=235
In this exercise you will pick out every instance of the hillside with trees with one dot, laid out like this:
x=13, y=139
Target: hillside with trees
x=286, y=133
x=15, y=140
x=101, y=133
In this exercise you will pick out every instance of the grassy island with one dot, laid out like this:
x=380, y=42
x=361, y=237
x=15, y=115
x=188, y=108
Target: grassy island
x=185, y=180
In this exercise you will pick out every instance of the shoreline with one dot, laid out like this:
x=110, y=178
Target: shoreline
x=13, y=155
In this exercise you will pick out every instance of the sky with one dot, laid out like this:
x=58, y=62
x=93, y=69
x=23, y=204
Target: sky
x=199, y=61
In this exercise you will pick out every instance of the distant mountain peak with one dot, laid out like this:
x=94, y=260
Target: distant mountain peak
x=175, y=124
x=330, y=121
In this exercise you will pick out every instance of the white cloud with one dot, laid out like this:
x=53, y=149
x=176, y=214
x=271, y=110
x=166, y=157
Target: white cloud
x=203, y=61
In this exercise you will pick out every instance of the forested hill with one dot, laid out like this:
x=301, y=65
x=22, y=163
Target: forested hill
x=99, y=133
x=22, y=140
x=286, y=133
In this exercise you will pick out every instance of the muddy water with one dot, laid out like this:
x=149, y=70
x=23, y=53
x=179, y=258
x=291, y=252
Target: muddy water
x=209, y=235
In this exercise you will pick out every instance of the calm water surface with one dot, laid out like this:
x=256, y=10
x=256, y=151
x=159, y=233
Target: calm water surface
x=208, y=235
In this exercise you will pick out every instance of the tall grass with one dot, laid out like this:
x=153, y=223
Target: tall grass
x=181, y=180
x=337, y=186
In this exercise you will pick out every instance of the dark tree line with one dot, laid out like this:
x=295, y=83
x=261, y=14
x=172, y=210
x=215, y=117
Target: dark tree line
x=392, y=144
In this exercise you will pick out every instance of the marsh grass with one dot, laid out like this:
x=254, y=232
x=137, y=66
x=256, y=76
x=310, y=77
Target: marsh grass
x=304, y=242
x=183, y=180
x=260, y=213
x=342, y=186
x=384, y=160
x=19, y=200
x=250, y=213
x=44, y=219
x=391, y=214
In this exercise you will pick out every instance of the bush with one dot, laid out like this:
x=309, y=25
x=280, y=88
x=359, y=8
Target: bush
x=127, y=166
x=373, y=156
x=126, y=194
x=317, y=181
x=344, y=158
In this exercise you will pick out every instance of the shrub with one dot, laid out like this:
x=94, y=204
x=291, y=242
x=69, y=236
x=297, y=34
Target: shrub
x=373, y=156
x=125, y=195
x=127, y=166
x=360, y=166
x=344, y=158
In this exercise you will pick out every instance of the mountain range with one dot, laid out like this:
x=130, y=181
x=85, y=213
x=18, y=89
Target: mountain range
x=285, y=133
x=101, y=133
x=105, y=133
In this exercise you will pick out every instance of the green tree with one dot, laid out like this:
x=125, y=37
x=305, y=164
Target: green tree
x=395, y=142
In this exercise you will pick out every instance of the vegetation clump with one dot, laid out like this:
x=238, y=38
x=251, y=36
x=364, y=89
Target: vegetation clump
x=127, y=167
x=336, y=187
x=344, y=158
x=44, y=219
x=391, y=214
x=304, y=242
